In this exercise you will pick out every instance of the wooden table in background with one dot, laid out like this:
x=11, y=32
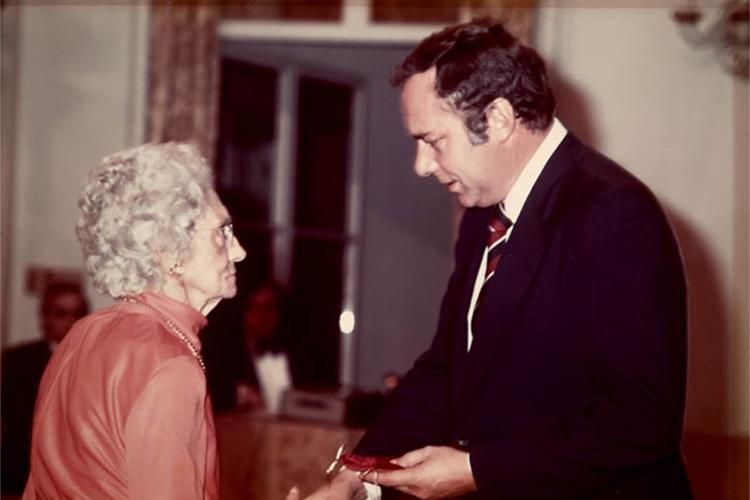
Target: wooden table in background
x=261, y=457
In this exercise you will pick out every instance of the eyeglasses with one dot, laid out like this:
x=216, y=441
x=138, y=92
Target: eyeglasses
x=227, y=230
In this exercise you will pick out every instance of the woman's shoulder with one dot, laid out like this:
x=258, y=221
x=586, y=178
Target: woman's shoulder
x=129, y=337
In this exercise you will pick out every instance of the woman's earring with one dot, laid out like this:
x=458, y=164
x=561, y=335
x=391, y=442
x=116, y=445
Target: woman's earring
x=176, y=269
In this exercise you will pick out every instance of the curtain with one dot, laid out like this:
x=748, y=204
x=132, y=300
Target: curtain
x=184, y=75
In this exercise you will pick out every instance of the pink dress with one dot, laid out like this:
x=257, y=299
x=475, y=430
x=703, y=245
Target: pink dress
x=122, y=410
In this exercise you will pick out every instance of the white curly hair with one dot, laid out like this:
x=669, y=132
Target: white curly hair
x=137, y=204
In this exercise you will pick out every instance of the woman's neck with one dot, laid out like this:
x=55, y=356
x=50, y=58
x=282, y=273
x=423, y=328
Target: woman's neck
x=174, y=289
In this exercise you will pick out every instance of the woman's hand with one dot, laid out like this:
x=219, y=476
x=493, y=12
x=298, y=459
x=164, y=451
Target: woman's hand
x=345, y=486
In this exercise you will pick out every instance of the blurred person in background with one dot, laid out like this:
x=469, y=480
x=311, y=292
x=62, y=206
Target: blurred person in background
x=123, y=410
x=62, y=304
x=248, y=361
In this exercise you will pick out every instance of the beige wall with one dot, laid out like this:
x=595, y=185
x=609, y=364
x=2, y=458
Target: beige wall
x=739, y=372
x=8, y=84
x=670, y=114
x=667, y=112
x=80, y=79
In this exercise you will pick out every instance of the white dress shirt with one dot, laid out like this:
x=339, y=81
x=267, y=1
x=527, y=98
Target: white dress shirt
x=514, y=201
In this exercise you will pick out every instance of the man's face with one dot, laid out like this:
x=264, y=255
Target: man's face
x=62, y=311
x=475, y=174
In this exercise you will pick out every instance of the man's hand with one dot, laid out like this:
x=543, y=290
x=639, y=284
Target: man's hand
x=345, y=486
x=247, y=397
x=430, y=472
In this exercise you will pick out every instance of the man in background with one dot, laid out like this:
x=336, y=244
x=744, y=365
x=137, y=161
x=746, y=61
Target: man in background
x=62, y=305
x=558, y=367
x=248, y=359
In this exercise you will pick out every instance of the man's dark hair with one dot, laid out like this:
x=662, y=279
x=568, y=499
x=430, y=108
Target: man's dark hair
x=58, y=288
x=477, y=62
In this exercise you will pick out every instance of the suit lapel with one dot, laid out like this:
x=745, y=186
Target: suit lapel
x=475, y=241
x=506, y=290
x=514, y=276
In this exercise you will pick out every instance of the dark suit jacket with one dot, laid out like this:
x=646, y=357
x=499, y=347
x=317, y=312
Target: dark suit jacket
x=22, y=370
x=574, y=386
x=228, y=361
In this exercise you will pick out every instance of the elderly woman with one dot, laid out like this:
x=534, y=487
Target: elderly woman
x=122, y=409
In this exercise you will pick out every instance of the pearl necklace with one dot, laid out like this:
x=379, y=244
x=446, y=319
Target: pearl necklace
x=174, y=329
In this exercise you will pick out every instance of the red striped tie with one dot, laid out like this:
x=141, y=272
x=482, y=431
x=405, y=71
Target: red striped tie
x=498, y=228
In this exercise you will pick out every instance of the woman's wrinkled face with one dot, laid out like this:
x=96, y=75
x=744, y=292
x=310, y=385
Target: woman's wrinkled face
x=209, y=274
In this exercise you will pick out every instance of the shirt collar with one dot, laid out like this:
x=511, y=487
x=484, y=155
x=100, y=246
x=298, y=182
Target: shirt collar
x=513, y=202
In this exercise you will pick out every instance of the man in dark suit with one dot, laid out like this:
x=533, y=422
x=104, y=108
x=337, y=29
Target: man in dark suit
x=22, y=369
x=249, y=358
x=558, y=368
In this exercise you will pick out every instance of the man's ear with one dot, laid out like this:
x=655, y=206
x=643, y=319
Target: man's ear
x=501, y=119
